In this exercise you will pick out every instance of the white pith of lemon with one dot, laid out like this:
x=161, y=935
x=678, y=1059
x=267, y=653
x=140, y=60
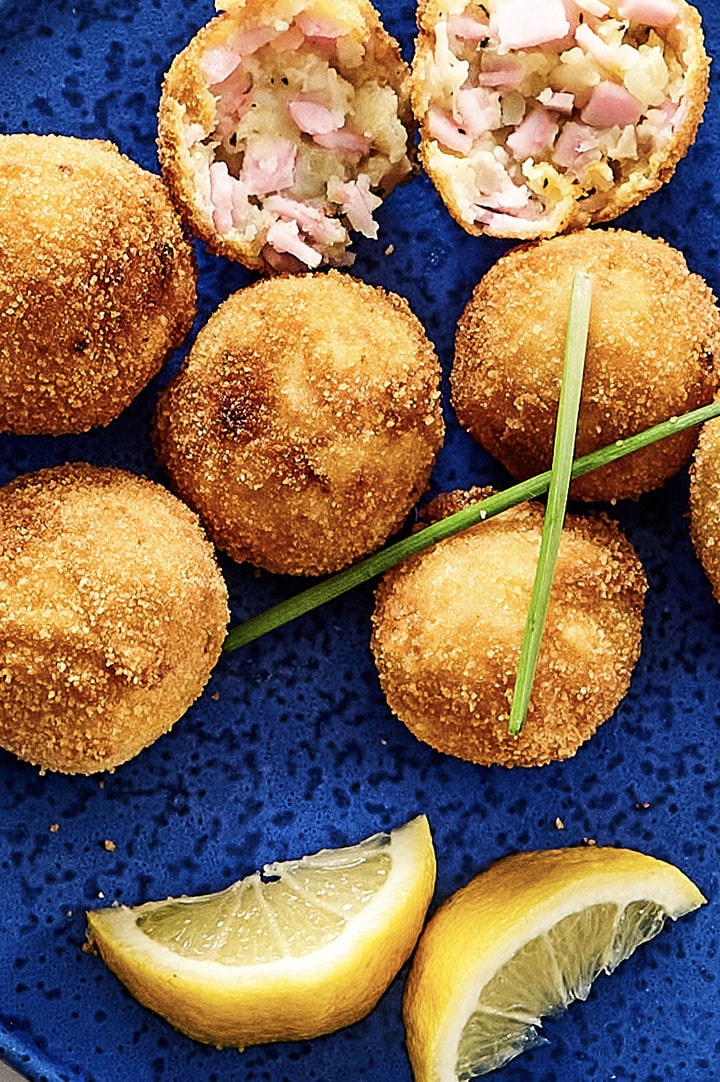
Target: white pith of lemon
x=522, y=941
x=301, y=949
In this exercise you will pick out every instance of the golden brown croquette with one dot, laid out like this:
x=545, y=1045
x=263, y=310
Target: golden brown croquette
x=97, y=282
x=538, y=116
x=282, y=127
x=705, y=503
x=654, y=331
x=305, y=422
x=448, y=625
x=112, y=615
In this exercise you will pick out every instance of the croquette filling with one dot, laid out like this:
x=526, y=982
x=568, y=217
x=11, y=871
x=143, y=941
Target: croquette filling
x=530, y=102
x=307, y=139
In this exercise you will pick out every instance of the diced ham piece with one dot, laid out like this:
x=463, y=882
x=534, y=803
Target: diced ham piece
x=610, y=104
x=477, y=110
x=508, y=75
x=510, y=200
x=221, y=186
x=559, y=101
x=358, y=202
x=534, y=135
x=229, y=198
x=573, y=15
x=520, y=24
x=313, y=118
x=240, y=207
x=235, y=94
x=219, y=63
x=576, y=141
x=313, y=221
x=441, y=126
x=670, y=110
x=650, y=12
x=252, y=39
x=226, y=127
x=285, y=237
x=269, y=164
x=500, y=224
x=289, y=40
x=316, y=28
x=467, y=28
x=350, y=142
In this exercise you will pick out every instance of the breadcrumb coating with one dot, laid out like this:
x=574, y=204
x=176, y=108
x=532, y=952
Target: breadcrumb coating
x=97, y=282
x=305, y=422
x=112, y=615
x=705, y=503
x=448, y=625
x=654, y=332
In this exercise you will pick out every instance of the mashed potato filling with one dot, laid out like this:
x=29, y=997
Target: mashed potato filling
x=307, y=136
x=530, y=105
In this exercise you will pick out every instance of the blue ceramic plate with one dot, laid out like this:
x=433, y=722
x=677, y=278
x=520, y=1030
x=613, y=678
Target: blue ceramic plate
x=292, y=747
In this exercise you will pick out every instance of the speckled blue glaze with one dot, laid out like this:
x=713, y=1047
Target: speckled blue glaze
x=292, y=747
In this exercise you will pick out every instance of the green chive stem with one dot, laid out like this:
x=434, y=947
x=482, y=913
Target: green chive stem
x=382, y=561
x=560, y=474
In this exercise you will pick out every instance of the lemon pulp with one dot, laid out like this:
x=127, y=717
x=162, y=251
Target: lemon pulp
x=289, y=910
x=545, y=977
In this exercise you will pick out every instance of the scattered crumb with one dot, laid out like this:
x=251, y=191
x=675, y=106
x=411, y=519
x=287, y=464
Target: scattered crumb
x=642, y=805
x=109, y=845
x=215, y=697
x=54, y=827
x=559, y=825
x=390, y=249
x=101, y=783
x=589, y=841
x=100, y=894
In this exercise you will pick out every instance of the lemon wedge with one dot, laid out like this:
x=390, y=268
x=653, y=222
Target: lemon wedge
x=523, y=940
x=303, y=948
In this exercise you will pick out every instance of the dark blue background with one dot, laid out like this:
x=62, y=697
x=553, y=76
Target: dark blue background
x=292, y=747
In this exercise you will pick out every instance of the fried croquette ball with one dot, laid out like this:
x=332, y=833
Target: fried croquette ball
x=654, y=331
x=705, y=503
x=305, y=421
x=538, y=116
x=449, y=622
x=97, y=282
x=112, y=615
x=282, y=127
